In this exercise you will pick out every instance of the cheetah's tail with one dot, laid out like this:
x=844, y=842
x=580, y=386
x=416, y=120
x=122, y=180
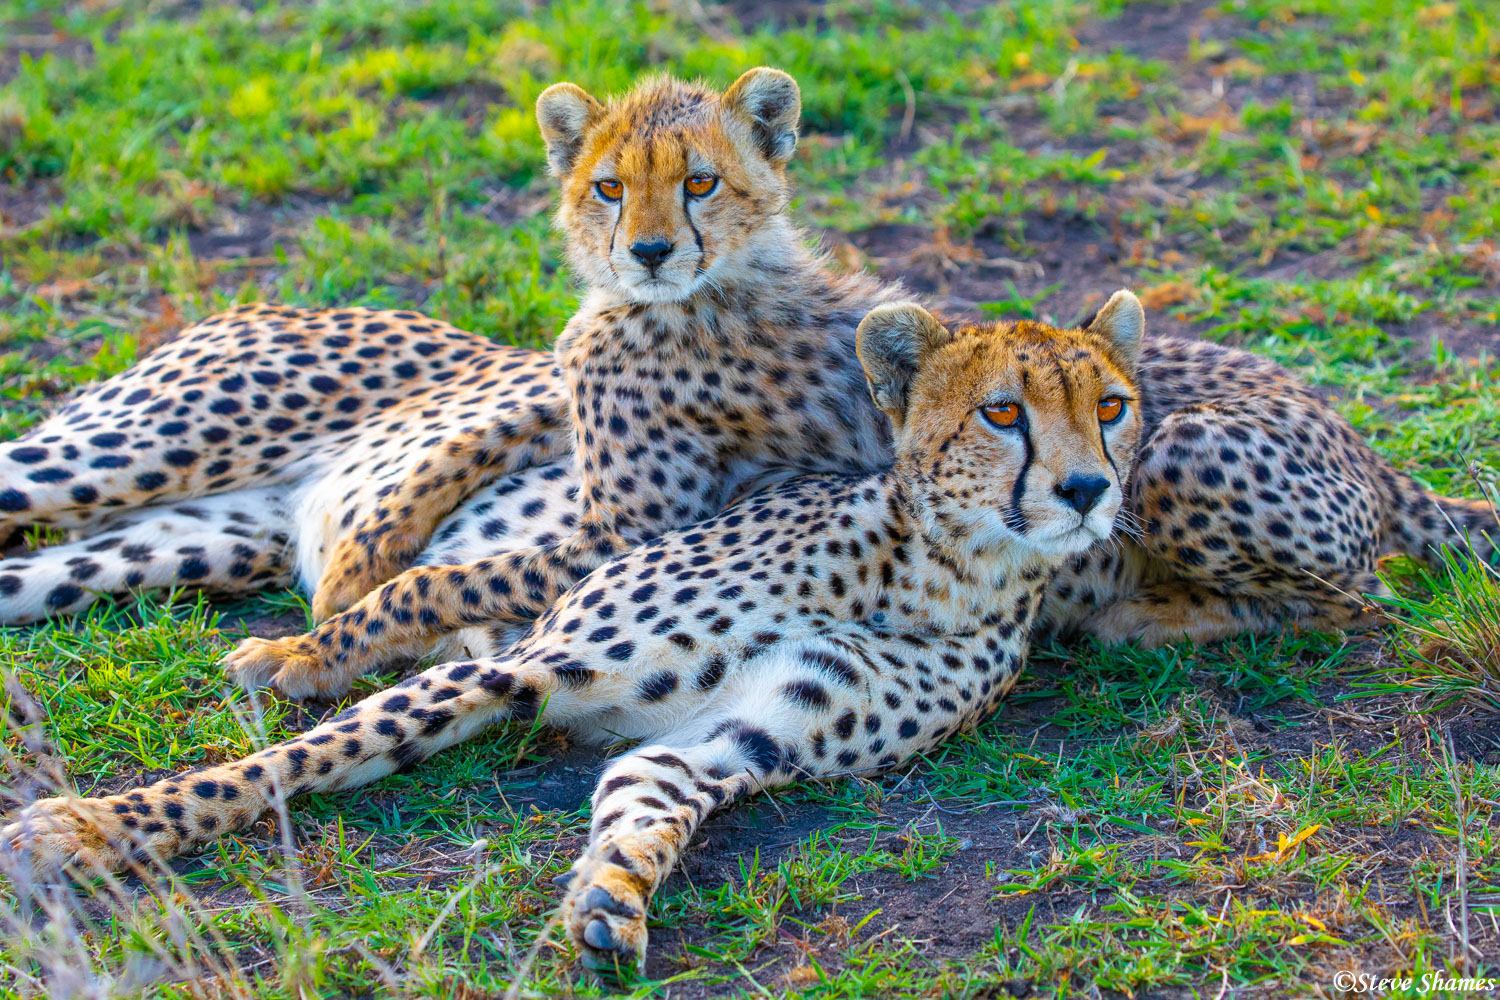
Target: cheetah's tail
x=1421, y=523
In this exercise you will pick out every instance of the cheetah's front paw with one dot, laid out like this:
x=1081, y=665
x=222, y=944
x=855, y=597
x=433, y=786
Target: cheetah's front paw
x=605, y=914
x=52, y=834
x=281, y=664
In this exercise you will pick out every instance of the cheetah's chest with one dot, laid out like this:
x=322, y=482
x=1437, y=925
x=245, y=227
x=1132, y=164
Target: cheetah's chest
x=757, y=396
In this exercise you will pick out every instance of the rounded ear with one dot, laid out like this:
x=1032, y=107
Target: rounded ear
x=564, y=112
x=1122, y=322
x=770, y=101
x=892, y=341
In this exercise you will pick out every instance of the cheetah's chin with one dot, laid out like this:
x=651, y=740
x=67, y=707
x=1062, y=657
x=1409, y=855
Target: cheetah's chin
x=1069, y=541
x=660, y=290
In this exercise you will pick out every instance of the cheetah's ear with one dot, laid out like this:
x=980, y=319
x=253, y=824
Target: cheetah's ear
x=1122, y=322
x=891, y=343
x=771, y=102
x=565, y=111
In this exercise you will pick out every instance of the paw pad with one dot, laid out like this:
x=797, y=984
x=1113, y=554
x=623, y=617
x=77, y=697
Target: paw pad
x=597, y=935
x=599, y=898
x=605, y=916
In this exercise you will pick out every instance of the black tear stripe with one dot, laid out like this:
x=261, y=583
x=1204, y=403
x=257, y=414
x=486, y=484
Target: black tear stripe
x=620, y=214
x=1104, y=443
x=1017, y=490
x=698, y=239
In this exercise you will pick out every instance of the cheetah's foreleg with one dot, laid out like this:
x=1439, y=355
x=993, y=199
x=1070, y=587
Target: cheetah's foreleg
x=408, y=614
x=381, y=734
x=646, y=808
x=402, y=523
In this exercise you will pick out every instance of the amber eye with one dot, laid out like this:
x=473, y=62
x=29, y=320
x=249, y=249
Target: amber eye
x=610, y=190
x=1003, y=415
x=699, y=185
x=1110, y=409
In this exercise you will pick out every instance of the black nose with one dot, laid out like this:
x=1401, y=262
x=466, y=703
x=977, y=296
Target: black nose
x=1081, y=492
x=651, y=252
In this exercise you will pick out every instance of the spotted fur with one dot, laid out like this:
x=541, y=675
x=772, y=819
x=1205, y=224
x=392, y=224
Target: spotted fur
x=270, y=446
x=825, y=626
x=723, y=367
x=239, y=455
x=717, y=362
x=1253, y=506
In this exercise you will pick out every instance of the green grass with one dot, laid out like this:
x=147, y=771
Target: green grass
x=1311, y=179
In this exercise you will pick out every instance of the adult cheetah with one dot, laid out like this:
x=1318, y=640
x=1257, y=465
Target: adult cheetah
x=825, y=626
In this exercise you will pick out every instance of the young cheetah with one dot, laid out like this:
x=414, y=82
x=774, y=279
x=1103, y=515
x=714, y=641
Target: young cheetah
x=712, y=354
x=826, y=626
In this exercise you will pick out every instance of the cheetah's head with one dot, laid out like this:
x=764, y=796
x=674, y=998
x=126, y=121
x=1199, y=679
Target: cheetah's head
x=1014, y=431
x=672, y=186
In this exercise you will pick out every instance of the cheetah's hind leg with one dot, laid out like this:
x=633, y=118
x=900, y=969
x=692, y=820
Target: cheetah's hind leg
x=232, y=543
x=1245, y=532
x=205, y=413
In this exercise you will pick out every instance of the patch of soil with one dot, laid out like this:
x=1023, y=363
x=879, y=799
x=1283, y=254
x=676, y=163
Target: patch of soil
x=37, y=37
x=1476, y=739
x=781, y=14
x=1070, y=267
x=239, y=235
x=1472, y=340
x=266, y=625
x=254, y=228
x=507, y=205
x=1168, y=33
x=1156, y=30
x=22, y=205
x=470, y=102
x=563, y=784
x=950, y=914
x=1333, y=264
